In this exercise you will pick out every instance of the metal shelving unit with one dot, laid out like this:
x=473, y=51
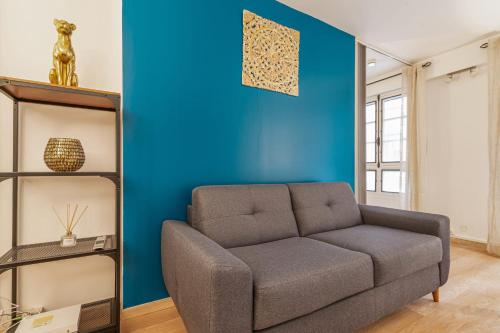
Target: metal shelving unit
x=102, y=315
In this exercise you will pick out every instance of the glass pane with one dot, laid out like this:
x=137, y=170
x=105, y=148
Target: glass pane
x=370, y=180
x=370, y=112
x=370, y=153
x=392, y=107
x=393, y=127
x=403, y=182
x=370, y=133
x=404, y=150
x=405, y=127
x=391, y=151
x=391, y=180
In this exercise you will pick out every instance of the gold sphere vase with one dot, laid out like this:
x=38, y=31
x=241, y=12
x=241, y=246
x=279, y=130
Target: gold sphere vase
x=64, y=154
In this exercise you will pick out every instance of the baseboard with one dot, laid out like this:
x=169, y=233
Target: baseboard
x=146, y=308
x=472, y=244
x=468, y=238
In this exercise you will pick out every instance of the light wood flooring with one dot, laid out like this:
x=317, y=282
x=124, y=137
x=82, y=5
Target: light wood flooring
x=470, y=302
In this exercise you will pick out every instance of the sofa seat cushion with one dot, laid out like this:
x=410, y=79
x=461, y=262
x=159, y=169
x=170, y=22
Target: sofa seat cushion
x=296, y=276
x=395, y=253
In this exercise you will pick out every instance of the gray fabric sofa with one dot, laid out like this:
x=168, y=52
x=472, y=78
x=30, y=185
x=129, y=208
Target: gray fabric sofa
x=298, y=258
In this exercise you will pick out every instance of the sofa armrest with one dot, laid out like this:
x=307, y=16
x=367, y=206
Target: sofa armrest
x=424, y=223
x=211, y=288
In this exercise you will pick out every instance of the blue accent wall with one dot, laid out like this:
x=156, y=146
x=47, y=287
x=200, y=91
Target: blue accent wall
x=188, y=121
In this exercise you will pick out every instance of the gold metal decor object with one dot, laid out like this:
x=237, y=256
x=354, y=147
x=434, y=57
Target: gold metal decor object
x=64, y=154
x=270, y=55
x=63, y=71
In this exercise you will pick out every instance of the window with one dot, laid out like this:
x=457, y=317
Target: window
x=386, y=126
x=371, y=132
x=393, y=127
x=371, y=180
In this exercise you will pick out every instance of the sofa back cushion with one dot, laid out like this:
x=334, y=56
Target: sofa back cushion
x=320, y=207
x=239, y=215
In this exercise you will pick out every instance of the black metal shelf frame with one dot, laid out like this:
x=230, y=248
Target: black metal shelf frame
x=107, y=310
x=52, y=251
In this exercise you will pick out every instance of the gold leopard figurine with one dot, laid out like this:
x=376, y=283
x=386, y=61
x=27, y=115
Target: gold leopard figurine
x=63, y=56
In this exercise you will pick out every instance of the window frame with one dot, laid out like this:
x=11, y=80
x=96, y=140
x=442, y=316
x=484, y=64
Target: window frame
x=378, y=166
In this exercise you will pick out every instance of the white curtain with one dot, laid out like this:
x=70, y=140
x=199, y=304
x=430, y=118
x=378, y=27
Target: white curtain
x=494, y=145
x=412, y=138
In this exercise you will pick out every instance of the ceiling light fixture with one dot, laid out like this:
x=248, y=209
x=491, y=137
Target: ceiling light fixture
x=372, y=63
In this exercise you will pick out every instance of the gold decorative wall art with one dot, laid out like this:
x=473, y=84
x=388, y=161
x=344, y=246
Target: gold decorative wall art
x=270, y=55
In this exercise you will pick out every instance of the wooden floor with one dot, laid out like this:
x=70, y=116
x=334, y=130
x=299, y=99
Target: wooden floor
x=470, y=302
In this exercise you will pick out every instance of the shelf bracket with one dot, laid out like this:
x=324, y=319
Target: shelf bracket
x=4, y=178
x=110, y=255
x=114, y=179
x=3, y=91
x=3, y=259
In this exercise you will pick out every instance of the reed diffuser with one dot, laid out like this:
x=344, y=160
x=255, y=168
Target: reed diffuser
x=69, y=238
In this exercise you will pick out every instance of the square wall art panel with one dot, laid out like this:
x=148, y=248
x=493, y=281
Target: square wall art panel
x=270, y=55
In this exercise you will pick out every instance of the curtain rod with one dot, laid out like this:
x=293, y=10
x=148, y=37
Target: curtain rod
x=385, y=78
x=482, y=46
x=468, y=69
x=427, y=64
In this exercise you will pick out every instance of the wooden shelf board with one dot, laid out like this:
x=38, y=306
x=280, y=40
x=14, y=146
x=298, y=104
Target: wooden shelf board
x=46, y=93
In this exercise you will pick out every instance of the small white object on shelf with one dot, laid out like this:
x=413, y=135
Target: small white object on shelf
x=64, y=320
x=99, y=243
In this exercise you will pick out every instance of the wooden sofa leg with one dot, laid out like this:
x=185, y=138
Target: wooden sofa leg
x=435, y=295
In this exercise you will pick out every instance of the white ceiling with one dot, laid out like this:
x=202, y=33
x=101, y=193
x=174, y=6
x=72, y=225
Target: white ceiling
x=410, y=29
x=383, y=65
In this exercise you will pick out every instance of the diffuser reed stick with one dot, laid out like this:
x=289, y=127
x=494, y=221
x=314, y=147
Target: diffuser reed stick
x=70, y=223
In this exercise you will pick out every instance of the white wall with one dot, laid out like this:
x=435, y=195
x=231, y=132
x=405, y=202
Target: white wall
x=27, y=36
x=455, y=163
